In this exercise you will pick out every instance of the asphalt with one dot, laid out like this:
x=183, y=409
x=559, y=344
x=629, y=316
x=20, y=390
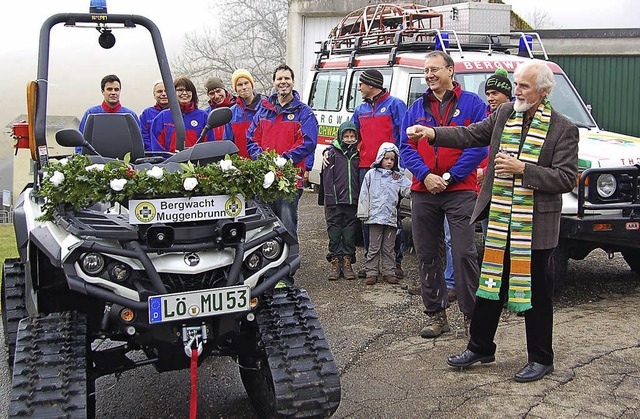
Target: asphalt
x=389, y=371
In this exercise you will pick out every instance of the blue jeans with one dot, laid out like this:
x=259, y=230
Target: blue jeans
x=448, y=271
x=287, y=212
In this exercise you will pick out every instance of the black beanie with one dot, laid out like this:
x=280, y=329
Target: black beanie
x=372, y=78
x=499, y=82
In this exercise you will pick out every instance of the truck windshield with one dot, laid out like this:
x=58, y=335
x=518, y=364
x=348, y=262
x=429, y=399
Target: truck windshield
x=564, y=98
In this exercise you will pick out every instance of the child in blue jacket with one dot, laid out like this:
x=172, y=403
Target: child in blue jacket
x=380, y=192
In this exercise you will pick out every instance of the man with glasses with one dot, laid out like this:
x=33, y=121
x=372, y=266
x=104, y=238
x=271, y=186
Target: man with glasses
x=110, y=87
x=444, y=184
x=379, y=120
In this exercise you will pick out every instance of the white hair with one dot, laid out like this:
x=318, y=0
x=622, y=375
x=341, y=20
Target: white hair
x=157, y=82
x=544, y=78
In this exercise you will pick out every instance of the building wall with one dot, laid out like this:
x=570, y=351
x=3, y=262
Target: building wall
x=611, y=85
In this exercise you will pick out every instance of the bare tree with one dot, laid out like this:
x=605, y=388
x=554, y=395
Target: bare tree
x=540, y=19
x=249, y=34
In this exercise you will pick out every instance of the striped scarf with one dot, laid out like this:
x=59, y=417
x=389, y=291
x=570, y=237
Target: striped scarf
x=511, y=214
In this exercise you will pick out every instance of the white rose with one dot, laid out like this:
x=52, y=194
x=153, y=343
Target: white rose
x=190, y=183
x=155, y=172
x=98, y=167
x=45, y=175
x=64, y=161
x=268, y=179
x=227, y=165
x=57, y=178
x=117, y=184
x=280, y=161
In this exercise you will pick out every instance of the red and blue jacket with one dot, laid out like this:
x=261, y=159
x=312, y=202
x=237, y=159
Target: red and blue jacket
x=378, y=121
x=104, y=108
x=163, y=130
x=291, y=130
x=228, y=102
x=241, y=117
x=146, y=117
x=462, y=108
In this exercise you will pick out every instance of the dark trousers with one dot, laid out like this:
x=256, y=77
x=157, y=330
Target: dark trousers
x=538, y=320
x=427, y=222
x=341, y=228
x=398, y=247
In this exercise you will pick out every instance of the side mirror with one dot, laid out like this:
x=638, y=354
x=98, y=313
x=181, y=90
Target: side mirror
x=70, y=137
x=219, y=117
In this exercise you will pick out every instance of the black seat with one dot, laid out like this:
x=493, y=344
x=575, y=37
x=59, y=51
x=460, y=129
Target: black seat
x=114, y=135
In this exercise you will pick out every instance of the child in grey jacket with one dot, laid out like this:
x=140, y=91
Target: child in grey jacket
x=380, y=191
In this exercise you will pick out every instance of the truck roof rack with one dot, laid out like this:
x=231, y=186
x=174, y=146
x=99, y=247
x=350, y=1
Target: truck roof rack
x=393, y=28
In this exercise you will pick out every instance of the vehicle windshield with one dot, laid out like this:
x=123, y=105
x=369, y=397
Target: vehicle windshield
x=564, y=98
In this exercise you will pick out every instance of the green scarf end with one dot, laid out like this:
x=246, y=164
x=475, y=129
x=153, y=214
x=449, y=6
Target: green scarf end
x=519, y=307
x=488, y=295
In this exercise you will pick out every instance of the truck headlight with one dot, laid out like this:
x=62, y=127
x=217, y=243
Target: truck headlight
x=606, y=185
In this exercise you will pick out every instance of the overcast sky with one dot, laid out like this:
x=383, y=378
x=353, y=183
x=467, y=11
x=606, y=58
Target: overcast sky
x=78, y=63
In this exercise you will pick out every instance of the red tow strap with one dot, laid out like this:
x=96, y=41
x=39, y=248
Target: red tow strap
x=194, y=387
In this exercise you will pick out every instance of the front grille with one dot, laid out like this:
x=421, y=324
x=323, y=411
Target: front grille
x=202, y=281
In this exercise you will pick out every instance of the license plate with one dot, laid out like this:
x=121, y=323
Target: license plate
x=190, y=305
x=633, y=225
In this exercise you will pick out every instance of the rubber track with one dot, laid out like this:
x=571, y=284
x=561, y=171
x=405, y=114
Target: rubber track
x=305, y=376
x=49, y=373
x=14, y=306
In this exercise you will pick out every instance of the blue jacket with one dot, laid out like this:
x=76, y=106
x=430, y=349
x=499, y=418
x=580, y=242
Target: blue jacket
x=163, y=130
x=146, y=117
x=421, y=158
x=102, y=108
x=378, y=121
x=380, y=192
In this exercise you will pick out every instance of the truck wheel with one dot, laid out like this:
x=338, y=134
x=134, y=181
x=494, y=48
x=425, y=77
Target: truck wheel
x=50, y=370
x=632, y=257
x=293, y=372
x=14, y=306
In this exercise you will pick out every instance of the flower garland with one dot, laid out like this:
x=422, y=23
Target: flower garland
x=74, y=183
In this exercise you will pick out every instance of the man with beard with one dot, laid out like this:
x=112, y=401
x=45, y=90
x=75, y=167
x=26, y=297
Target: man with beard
x=533, y=161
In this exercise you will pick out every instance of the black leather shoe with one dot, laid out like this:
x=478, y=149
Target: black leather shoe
x=532, y=372
x=468, y=358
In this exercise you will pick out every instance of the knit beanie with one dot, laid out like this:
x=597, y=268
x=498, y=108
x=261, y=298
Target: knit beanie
x=213, y=83
x=499, y=81
x=372, y=78
x=239, y=73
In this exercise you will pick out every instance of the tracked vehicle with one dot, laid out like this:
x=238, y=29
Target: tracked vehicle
x=109, y=285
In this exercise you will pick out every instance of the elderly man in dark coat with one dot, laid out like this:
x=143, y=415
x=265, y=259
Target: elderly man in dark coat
x=533, y=161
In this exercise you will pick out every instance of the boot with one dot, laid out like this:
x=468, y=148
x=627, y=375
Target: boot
x=438, y=326
x=414, y=288
x=467, y=324
x=347, y=269
x=334, y=269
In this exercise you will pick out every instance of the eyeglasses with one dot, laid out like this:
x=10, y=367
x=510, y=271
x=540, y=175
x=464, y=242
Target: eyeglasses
x=181, y=91
x=432, y=70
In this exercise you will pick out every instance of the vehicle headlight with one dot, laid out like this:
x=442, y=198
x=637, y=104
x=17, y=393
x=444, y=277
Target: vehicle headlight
x=119, y=272
x=92, y=263
x=271, y=249
x=253, y=261
x=606, y=185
